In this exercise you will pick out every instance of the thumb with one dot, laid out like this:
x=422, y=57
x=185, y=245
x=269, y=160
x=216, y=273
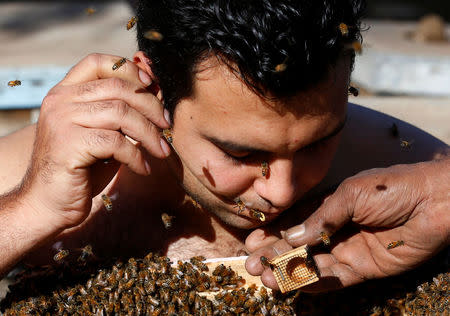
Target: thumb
x=334, y=213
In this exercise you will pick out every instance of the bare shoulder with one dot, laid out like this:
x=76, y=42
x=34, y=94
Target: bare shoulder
x=15, y=154
x=372, y=139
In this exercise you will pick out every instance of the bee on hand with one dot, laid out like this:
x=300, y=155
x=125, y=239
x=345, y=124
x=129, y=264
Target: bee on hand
x=14, y=83
x=395, y=244
x=240, y=205
x=119, y=63
x=107, y=202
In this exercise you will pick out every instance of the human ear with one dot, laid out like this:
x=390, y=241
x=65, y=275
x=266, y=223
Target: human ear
x=144, y=63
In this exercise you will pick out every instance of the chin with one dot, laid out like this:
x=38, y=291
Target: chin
x=236, y=221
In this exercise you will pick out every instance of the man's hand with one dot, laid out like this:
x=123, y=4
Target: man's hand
x=82, y=124
x=408, y=203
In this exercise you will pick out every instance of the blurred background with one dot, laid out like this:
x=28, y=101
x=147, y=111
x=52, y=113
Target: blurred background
x=404, y=70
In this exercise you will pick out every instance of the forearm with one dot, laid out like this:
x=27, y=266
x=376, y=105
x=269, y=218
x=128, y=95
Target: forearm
x=22, y=229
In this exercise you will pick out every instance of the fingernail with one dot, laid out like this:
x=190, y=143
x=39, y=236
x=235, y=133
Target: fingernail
x=145, y=78
x=295, y=232
x=165, y=147
x=167, y=116
x=147, y=167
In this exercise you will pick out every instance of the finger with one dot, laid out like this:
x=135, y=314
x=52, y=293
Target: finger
x=118, y=89
x=334, y=213
x=118, y=115
x=104, y=144
x=100, y=66
x=253, y=262
x=259, y=238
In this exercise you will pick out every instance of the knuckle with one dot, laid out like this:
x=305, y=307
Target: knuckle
x=117, y=83
x=121, y=108
x=93, y=59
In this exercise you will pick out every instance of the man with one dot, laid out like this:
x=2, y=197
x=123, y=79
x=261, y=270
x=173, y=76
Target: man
x=244, y=85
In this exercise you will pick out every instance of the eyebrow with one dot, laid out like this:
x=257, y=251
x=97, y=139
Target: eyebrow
x=235, y=147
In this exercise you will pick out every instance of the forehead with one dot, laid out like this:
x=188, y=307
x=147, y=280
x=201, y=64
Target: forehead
x=221, y=104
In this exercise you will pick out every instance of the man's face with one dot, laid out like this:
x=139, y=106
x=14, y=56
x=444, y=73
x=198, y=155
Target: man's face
x=224, y=132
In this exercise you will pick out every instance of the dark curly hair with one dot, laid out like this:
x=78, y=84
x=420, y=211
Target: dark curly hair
x=252, y=37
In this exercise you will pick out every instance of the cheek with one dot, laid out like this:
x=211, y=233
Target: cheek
x=222, y=178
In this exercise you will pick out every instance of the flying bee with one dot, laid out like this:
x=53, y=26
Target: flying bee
x=343, y=28
x=107, y=202
x=167, y=133
x=405, y=144
x=265, y=262
x=61, y=254
x=131, y=23
x=167, y=220
x=14, y=83
x=240, y=205
x=264, y=168
x=280, y=67
x=85, y=253
x=90, y=10
x=354, y=91
x=119, y=63
x=357, y=47
x=258, y=215
x=395, y=244
x=153, y=35
x=325, y=238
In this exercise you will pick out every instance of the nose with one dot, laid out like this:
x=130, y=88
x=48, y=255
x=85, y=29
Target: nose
x=281, y=186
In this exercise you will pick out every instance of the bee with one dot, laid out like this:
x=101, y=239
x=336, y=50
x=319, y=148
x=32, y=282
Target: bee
x=107, y=202
x=119, y=63
x=280, y=67
x=61, y=254
x=167, y=220
x=258, y=215
x=90, y=10
x=131, y=23
x=240, y=205
x=395, y=244
x=153, y=35
x=405, y=144
x=265, y=262
x=354, y=91
x=14, y=83
x=264, y=168
x=357, y=47
x=85, y=253
x=394, y=130
x=325, y=238
x=167, y=133
x=343, y=28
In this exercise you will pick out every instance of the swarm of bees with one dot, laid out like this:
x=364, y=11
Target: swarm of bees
x=153, y=35
x=14, y=83
x=395, y=244
x=107, y=202
x=264, y=168
x=167, y=220
x=148, y=286
x=119, y=63
x=131, y=22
